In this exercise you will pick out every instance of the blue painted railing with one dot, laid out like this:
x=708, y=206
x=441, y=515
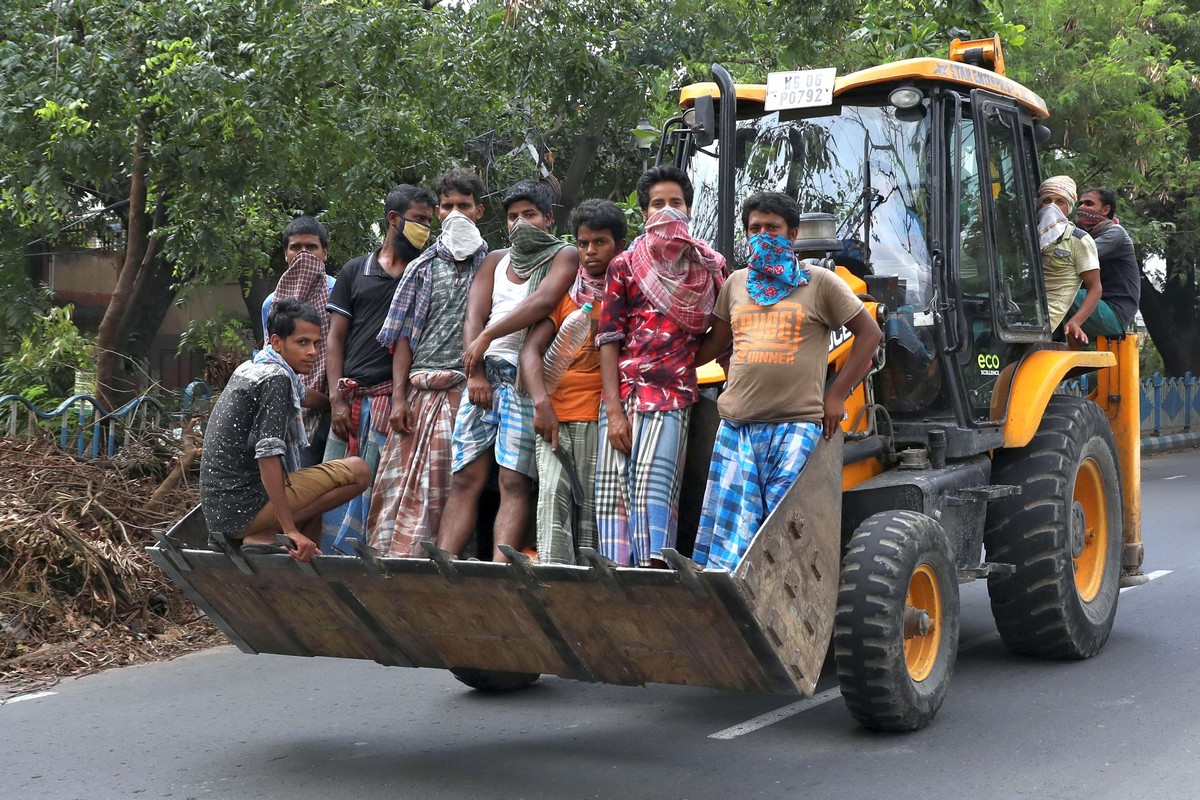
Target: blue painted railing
x=1170, y=405
x=86, y=428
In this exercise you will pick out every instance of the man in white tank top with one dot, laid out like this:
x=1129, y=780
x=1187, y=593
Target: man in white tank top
x=493, y=415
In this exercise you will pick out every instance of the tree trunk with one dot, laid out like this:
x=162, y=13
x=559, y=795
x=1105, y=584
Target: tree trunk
x=152, y=300
x=255, y=289
x=581, y=163
x=1172, y=323
x=152, y=295
x=136, y=243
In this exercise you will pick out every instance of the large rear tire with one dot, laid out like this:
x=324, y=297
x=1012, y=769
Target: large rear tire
x=494, y=681
x=1063, y=534
x=895, y=635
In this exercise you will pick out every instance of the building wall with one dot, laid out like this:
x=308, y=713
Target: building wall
x=87, y=278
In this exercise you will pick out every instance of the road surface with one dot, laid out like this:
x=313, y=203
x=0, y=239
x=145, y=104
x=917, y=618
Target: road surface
x=220, y=724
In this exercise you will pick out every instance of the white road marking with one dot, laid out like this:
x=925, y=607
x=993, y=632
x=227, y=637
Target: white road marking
x=1150, y=576
x=1174, y=477
x=792, y=709
x=20, y=697
x=771, y=717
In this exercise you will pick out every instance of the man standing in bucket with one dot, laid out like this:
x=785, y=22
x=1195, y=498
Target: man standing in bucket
x=358, y=366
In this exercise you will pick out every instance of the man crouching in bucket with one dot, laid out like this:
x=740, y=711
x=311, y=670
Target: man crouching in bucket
x=251, y=486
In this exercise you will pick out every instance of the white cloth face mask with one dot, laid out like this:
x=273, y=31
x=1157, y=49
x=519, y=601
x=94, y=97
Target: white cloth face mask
x=460, y=236
x=1052, y=224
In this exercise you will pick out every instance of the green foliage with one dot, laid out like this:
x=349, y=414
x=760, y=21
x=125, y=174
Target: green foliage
x=633, y=216
x=911, y=29
x=253, y=111
x=1149, y=359
x=220, y=335
x=50, y=353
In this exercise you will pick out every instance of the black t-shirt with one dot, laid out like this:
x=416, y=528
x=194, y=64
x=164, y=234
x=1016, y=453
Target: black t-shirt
x=363, y=293
x=1120, y=275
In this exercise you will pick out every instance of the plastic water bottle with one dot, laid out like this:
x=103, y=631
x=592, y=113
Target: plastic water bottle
x=566, y=345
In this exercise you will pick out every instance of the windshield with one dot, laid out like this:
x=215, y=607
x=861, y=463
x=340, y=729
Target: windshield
x=865, y=165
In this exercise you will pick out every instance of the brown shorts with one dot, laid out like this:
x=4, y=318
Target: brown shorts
x=306, y=486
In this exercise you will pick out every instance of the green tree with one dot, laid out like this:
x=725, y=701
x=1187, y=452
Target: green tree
x=1120, y=82
x=207, y=126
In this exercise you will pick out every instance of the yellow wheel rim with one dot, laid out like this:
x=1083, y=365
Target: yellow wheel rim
x=921, y=641
x=1089, y=557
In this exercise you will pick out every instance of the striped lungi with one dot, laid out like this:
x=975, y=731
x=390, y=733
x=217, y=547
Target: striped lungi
x=753, y=466
x=506, y=426
x=563, y=526
x=413, y=482
x=349, y=521
x=637, y=495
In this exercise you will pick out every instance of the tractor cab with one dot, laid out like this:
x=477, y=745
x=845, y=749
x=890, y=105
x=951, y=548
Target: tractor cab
x=929, y=168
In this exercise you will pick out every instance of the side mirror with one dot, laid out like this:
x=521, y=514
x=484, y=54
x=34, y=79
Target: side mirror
x=703, y=122
x=1041, y=134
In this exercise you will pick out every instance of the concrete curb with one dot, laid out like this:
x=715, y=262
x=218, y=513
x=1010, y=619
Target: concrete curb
x=1163, y=444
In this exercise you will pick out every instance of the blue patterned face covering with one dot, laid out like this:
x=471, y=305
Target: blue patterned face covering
x=774, y=269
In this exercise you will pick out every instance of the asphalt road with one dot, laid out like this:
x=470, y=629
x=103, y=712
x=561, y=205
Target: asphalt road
x=220, y=724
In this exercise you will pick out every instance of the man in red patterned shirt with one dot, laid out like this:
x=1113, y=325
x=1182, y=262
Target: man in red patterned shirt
x=657, y=300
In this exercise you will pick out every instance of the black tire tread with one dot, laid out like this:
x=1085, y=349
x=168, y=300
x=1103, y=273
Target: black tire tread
x=868, y=637
x=1036, y=608
x=492, y=681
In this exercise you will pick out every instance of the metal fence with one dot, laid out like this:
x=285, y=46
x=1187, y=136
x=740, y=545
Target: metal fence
x=1168, y=406
x=83, y=427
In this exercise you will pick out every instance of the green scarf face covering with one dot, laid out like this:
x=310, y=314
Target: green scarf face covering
x=532, y=252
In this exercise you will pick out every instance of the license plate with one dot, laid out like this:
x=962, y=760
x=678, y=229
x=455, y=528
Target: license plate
x=806, y=88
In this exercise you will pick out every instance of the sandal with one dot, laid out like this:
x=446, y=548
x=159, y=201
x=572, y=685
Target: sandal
x=263, y=550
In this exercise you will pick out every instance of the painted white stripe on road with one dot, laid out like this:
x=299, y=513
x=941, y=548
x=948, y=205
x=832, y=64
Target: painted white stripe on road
x=771, y=717
x=1174, y=477
x=21, y=697
x=1150, y=576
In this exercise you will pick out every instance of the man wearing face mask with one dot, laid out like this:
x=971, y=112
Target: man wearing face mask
x=1119, y=269
x=358, y=366
x=494, y=423
x=306, y=247
x=658, y=296
x=424, y=329
x=777, y=314
x=1068, y=259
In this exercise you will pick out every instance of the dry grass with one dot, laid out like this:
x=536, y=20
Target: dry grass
x=77, y=591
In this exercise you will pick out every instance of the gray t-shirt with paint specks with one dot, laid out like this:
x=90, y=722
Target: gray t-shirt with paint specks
x=251, y=420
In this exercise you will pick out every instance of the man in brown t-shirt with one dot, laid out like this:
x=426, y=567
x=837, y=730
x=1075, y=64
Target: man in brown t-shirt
x=777, y=314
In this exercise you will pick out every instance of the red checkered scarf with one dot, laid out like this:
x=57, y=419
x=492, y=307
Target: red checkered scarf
x=678, y=273
x=381, y=408
x=586, y=289
x=304, y=279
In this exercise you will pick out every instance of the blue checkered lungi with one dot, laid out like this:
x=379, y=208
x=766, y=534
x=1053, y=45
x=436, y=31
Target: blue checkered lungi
x=753, y=466
x=507, y=425
x=637, y=495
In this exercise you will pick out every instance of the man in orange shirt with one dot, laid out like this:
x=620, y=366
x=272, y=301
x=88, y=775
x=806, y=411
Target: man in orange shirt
x=567, y=418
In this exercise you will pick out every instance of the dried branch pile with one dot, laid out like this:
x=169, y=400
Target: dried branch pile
x=77, y=591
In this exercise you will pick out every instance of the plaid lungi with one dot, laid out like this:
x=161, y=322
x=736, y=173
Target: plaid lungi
x=413, y=482
x=637, y=495
x=563, y=526
x=753, y=466
x=507, y=425
x=350, y=520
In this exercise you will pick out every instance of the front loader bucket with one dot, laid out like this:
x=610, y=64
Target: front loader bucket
x=764, y=628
